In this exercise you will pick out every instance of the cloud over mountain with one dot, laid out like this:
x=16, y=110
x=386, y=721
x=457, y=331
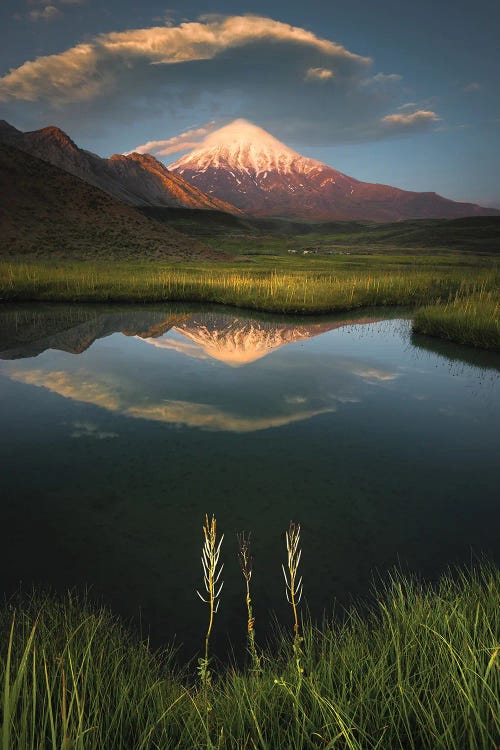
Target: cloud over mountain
x=308, y=88
x=65, y=77
x=187, y=140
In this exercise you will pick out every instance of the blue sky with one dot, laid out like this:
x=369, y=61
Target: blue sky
x=403, y=93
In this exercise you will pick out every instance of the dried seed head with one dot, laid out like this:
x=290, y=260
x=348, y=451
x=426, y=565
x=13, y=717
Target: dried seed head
x=293, y=584
x=210, y=564
x=244, y=554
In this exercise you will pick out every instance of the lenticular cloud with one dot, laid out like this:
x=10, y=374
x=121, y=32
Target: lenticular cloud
x=89, y=70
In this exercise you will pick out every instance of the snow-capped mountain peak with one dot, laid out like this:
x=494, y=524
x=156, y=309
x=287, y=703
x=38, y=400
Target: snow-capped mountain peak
x=242, y=146
x=250, y=169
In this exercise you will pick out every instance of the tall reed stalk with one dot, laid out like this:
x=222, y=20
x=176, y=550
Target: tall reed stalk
x=293, y=591
x=246, y=563
x=211, y=575
x=293, y=586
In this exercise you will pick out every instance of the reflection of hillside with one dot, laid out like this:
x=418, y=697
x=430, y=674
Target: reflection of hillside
x=455, y=353
x=234, y=339
x=26, y=333
x=239, y=341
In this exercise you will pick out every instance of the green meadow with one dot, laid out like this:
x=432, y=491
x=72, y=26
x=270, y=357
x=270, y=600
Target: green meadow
x=237, y=235
x=289, y=285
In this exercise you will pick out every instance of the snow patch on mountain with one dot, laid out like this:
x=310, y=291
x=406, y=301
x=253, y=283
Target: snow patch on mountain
x=244, y=147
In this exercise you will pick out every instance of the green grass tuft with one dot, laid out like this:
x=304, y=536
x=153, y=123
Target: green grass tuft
x=420, y=671
x=474, y=321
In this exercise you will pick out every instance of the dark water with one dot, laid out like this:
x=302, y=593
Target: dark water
x=121, y=427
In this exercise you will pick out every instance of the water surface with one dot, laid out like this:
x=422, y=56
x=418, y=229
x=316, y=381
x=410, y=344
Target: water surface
x=122, y=426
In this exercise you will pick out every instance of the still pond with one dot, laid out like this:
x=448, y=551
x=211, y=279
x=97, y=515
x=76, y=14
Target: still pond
x=122, y=426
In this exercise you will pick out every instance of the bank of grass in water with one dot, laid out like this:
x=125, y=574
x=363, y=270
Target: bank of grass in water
x=420, y=671
x=474, y=320
x=287, y=288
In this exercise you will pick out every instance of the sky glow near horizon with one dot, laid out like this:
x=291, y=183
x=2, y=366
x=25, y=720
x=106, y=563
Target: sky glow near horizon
x=387, y=93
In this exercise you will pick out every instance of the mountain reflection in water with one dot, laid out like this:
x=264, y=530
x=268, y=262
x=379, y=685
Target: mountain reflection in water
x=238, y=341
x=234, y=340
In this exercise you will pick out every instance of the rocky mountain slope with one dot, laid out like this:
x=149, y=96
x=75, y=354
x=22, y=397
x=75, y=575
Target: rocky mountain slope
x=137, y=179
x=246, y=166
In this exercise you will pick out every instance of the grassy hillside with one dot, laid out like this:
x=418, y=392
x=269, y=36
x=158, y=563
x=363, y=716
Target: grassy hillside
x=247, y=235
x=48, y=213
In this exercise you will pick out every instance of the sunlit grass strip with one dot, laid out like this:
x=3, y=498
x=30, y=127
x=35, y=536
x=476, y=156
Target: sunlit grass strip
x=289, y=291
x=421, y=670
x=474, y=321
